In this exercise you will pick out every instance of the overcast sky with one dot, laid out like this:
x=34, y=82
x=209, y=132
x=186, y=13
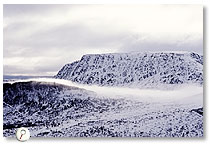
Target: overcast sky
x=40, y=39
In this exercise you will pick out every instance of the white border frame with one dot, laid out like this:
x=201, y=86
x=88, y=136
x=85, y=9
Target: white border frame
x=113, y=141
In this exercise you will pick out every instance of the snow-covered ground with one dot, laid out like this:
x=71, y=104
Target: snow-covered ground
x=96, y=111
x=188, y=92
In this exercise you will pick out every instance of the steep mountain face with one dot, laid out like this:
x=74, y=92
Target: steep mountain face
x=135, y=69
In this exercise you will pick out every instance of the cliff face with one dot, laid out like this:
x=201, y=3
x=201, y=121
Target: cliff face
x=135, y=69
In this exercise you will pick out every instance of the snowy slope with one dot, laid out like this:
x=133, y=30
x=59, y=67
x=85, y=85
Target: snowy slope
x=59, y=109
x=148, y=69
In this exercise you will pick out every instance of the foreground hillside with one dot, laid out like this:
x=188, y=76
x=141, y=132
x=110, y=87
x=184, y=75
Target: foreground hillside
x=57, y=110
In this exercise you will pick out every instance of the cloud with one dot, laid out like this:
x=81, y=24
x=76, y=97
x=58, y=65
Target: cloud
x=40, y=39
x=163, y=43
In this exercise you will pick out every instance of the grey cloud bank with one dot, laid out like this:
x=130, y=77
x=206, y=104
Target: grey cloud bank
x=40, y=39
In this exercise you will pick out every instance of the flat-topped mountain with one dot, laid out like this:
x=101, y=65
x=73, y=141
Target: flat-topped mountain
x=135, y=69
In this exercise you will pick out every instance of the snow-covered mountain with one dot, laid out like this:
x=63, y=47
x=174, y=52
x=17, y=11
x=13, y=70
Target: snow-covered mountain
x=149, y=69
x=135, y=106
